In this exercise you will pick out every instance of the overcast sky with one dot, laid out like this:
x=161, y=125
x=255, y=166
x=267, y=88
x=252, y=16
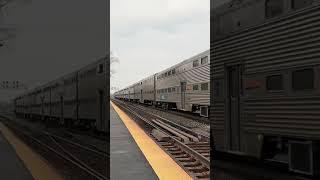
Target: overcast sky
x=150, y=35
x=53, y=38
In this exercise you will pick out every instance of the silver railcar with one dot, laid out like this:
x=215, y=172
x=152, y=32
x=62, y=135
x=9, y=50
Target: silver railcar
x=78, y=98
x=92, y=101
x=185, y=86
x=147, y=92
x=265, y=78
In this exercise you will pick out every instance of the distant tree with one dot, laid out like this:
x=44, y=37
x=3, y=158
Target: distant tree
x=113, y=60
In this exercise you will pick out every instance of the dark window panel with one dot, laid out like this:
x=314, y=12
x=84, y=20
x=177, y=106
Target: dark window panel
x=274, y=83
x=303, y=79
x=274, y=8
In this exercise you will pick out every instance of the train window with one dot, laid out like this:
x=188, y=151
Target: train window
x=274, y=8
x=173, y=71
x=169, y=90
x=195, y=87
x=204, y=86
x=100, y=68
x=173, y=89
x=204, y=60
x=165, y=90
x=297, y=4
x=274, y=83
x=166, y=74
x=216, y=89
x=195, y=63
x=303, y=79
x=169, y=73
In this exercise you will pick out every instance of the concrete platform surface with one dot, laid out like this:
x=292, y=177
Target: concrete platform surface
x=127, y=161
x=11, y=167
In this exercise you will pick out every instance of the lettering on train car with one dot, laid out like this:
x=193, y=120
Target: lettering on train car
x=163, y=97
x=189, y=87
x=252, y=84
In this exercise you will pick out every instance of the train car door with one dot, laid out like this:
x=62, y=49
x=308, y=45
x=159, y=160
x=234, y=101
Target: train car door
x=129, y=96
x=233, y=100
x=154, y=90
x=141, y=96
x=102, y=107
x=61, y=109
x=42, y=107
x=183, y=86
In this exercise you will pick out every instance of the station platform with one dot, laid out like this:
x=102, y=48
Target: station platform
x=126, y=160
x=19, y=162
x=11, y=167
x=134, y=155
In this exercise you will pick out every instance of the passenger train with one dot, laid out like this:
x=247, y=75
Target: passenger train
x=184, y=86
x=76, y=99
x=265, y=77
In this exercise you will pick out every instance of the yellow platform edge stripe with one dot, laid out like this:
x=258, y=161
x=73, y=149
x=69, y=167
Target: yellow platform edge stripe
x=162, y=164
x=37, y=166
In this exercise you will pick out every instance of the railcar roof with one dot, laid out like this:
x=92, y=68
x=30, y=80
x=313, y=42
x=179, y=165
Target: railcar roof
x=179, y=64
x=230, y=6
x=60, y=79
x=187, y=60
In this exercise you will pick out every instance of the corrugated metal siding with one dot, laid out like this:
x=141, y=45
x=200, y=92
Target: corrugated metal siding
x=148, y=87
x=70, y=96
x=196, y=75
x=279, y=44
x=287, y=42
x=192, y=76
x=217, y=123
x=294, y=116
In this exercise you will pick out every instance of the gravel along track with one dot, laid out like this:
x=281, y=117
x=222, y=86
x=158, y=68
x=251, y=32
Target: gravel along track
x=188, y=148
x=199, y=127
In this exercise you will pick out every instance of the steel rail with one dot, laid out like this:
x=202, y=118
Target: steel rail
x=79, y=165
x=205, y=161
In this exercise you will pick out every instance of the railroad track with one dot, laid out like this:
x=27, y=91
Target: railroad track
x=191, y=150
x=63, y=147
x=186, y=114
x=81, y=138
x=203, y=136
x=195, y=125
x=59, y=147
x=100, y=153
